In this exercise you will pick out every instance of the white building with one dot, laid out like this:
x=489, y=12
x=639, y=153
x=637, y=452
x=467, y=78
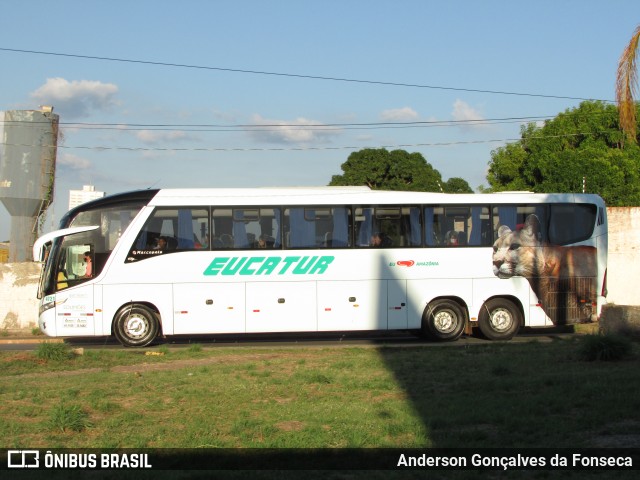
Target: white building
x=88, y=192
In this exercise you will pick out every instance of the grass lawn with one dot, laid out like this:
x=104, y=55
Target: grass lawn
x=480, y=396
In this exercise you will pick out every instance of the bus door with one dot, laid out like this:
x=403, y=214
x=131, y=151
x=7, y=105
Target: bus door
x=397, y=317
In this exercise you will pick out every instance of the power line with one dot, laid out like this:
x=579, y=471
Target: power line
x=294, y=75
x=297, y=126
x=286, y=149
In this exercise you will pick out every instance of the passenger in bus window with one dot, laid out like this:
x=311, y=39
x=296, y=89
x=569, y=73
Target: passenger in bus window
x=227, y=240
x=152, y=242
x=216, y=243
x=162, y=244
x=380, y=240
x=451, y=239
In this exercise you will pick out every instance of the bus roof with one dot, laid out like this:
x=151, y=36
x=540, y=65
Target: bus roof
x=351, y=195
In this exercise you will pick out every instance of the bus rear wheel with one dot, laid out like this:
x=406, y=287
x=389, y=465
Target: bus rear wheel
x=136, y=326
x=499, y=319
x=443, y=320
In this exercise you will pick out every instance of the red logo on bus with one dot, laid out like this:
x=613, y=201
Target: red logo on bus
x=405, y=263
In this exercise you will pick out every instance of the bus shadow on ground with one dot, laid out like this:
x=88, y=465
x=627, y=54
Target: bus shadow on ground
x=463, y=395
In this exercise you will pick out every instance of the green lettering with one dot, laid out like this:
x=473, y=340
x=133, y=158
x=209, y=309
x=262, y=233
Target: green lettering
x=288, y=261
x=268, y=266
x=216, y=265
x=249, y=265
x=234, y=265
x=321, y=265
x=246, y=270
x=302, y=268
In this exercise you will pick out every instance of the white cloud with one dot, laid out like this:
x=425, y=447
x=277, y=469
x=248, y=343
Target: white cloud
x=73, y=161
x=399, y=114
x=462, y=111
x=300, y=130
x=154, y=137
x=76, y=98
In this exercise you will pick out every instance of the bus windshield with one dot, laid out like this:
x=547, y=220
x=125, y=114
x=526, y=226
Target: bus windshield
x=75, y=258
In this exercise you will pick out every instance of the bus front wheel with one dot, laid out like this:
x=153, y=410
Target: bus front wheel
x=443, y=320
x=136, y=326
x=499, y=319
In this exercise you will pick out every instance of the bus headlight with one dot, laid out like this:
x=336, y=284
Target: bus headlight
x=44, y=306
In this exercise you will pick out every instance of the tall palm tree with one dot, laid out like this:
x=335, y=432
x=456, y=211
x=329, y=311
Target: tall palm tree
x=627, y=86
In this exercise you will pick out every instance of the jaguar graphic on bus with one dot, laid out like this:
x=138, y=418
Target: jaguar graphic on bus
x=152, y=263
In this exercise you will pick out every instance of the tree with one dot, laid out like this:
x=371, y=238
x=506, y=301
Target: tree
x=584, y=143
x=381, y=169
x=456, y=185
x=627, y=86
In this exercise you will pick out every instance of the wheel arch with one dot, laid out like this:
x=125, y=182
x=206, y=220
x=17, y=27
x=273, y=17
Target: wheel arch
x=131, y=304
x=430, y=330
x=500, y=318
x=453, y=298
x=515, y=300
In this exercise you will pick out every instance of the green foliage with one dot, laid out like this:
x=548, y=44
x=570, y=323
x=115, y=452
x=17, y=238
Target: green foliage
x=66, y=417
x=456, y=185
x=583, y=142
x=604, y=347
x=380, y=169
x=53, y=351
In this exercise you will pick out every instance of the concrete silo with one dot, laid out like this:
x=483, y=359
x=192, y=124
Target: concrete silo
x=27, y=171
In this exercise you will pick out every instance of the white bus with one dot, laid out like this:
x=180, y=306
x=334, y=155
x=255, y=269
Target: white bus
x=164, y=262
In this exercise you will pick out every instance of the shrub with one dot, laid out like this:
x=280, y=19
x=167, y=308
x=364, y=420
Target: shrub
x=65, y=417
x=604, y=347
x=53, y=351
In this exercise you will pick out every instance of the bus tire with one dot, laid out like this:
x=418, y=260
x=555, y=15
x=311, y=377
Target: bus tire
x=499, y=319
x=443, y=320
x=136, y=326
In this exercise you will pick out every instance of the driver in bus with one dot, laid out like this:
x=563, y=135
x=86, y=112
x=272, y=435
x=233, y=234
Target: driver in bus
x=88, y=271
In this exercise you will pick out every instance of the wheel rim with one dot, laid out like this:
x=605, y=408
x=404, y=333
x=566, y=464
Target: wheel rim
x=501, y=319
x=136, y=326
x=445, y=321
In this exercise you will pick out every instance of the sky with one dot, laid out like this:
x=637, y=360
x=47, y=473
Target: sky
x=249, y=93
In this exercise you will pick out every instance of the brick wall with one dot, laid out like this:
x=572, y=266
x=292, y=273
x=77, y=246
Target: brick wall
x=623, y=269
x=18, y=289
